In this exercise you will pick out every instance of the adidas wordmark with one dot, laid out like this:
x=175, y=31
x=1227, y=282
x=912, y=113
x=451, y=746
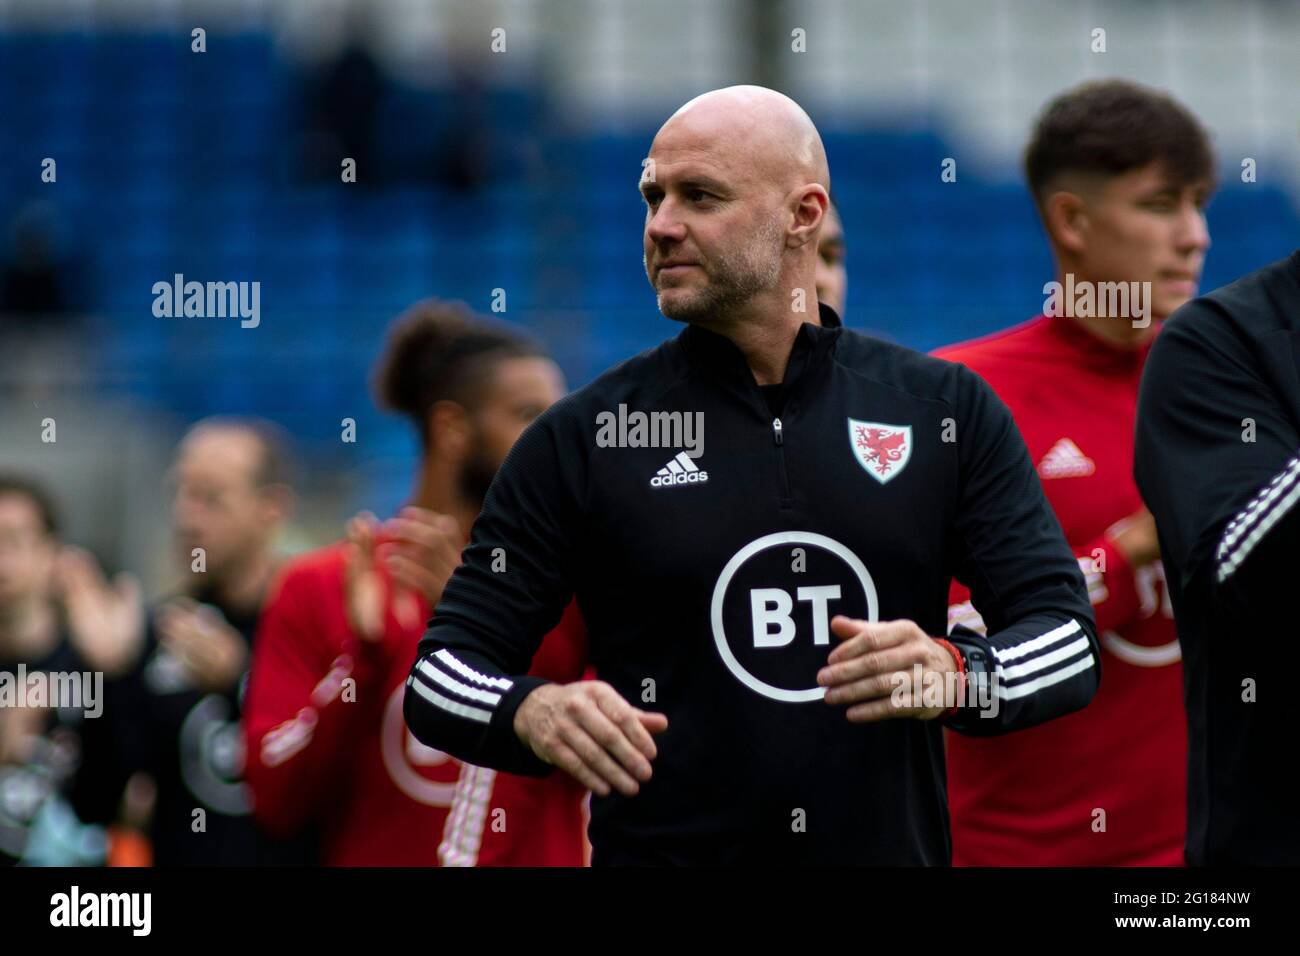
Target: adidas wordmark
x=680, y=471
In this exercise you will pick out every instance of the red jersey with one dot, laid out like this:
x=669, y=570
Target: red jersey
x=501, y=819
x=326, y=739
x=1107, y=785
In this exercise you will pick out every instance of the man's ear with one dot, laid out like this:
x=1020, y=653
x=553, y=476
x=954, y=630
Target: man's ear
x=810, y=205
x=278, y=502
x=1065, y=216
x=450, y=429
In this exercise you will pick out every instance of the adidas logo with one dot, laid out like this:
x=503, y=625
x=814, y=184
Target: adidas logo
x=1065, y=460
x=680, y=471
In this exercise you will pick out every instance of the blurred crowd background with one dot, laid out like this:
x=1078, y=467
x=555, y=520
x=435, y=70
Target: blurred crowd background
x=498, y=147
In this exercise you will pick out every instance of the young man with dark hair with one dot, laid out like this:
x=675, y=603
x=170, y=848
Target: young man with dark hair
x=324, y=732
x=1218, y=463
x=1120, y=174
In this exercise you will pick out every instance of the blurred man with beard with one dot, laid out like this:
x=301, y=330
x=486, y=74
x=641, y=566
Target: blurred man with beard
x=324, y=729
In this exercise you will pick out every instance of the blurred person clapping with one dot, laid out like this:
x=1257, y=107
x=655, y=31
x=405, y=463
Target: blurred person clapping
x=324, y=729
x=57, y=784
x=178, y=709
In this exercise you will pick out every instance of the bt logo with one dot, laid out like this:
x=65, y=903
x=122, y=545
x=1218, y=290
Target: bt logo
x=774, y=639
x=772, y=606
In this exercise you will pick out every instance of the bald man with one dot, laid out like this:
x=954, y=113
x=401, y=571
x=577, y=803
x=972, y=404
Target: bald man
x=760, y=605
x=177, y=711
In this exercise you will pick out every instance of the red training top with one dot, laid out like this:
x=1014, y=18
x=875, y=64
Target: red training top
x=327, y=743
x=1107, y=785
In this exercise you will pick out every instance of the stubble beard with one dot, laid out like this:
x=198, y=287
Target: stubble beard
x=734, y=279
x=477, y=472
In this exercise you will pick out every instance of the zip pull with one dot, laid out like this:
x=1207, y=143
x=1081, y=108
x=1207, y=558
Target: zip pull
x=776, y=429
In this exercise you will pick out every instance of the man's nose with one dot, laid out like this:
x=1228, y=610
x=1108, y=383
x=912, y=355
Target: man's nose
x=185, y=510
x=664, y=226
x=1193, y=230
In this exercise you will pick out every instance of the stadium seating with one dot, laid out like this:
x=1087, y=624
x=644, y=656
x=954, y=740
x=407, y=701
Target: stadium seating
x=173, y=162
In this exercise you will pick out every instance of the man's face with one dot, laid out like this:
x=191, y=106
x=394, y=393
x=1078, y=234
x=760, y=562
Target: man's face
x=832, y=277
x=218, y=504
x=521, y=389
x=714, y=236
x=27, y=552
x=1145, y=227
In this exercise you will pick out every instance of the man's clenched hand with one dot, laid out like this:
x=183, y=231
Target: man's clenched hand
x=589, y=730
x=874, y=658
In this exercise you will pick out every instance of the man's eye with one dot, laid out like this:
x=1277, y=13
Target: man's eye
x=698, y=195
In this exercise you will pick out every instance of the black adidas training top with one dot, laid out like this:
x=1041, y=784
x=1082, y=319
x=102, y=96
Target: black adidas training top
x=1218, y=463
x=886, y=474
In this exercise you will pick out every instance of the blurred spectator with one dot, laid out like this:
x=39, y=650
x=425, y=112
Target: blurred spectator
x=39, y=289
x=343, y=103
x=55, y=770
x=42, y=317
x=464, y=156
x=178, y=710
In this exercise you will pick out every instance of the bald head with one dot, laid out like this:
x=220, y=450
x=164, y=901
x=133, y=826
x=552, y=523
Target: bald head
x=736, y=187
x=762, y=128
x=230, y=495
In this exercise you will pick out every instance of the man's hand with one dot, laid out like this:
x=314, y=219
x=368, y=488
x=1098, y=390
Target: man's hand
x=422, y=550
x=105, y=623
x=864, y=670
x=419, y=548
x=589, y=730
x=213, y=653
x=1135, y=538
x=20, y=730
x=364, y=597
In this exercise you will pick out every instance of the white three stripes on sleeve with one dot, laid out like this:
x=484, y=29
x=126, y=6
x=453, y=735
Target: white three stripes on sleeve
x=1051, y=653
x=450, y=706
x=437, y=676
x=434, y=680
x=460, y=667
x=1254, y=521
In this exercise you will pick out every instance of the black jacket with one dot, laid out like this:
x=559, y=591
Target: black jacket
x=1217, y=463
x=886, y=473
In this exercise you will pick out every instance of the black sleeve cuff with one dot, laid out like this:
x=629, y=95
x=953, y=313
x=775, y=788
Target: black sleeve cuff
x=515, y=756
x=978, y=662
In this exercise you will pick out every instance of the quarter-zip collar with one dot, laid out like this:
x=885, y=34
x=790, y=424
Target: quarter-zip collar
x=718, y=357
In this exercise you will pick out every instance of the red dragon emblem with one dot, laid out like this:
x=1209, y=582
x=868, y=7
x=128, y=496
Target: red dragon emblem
x=883, y=450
